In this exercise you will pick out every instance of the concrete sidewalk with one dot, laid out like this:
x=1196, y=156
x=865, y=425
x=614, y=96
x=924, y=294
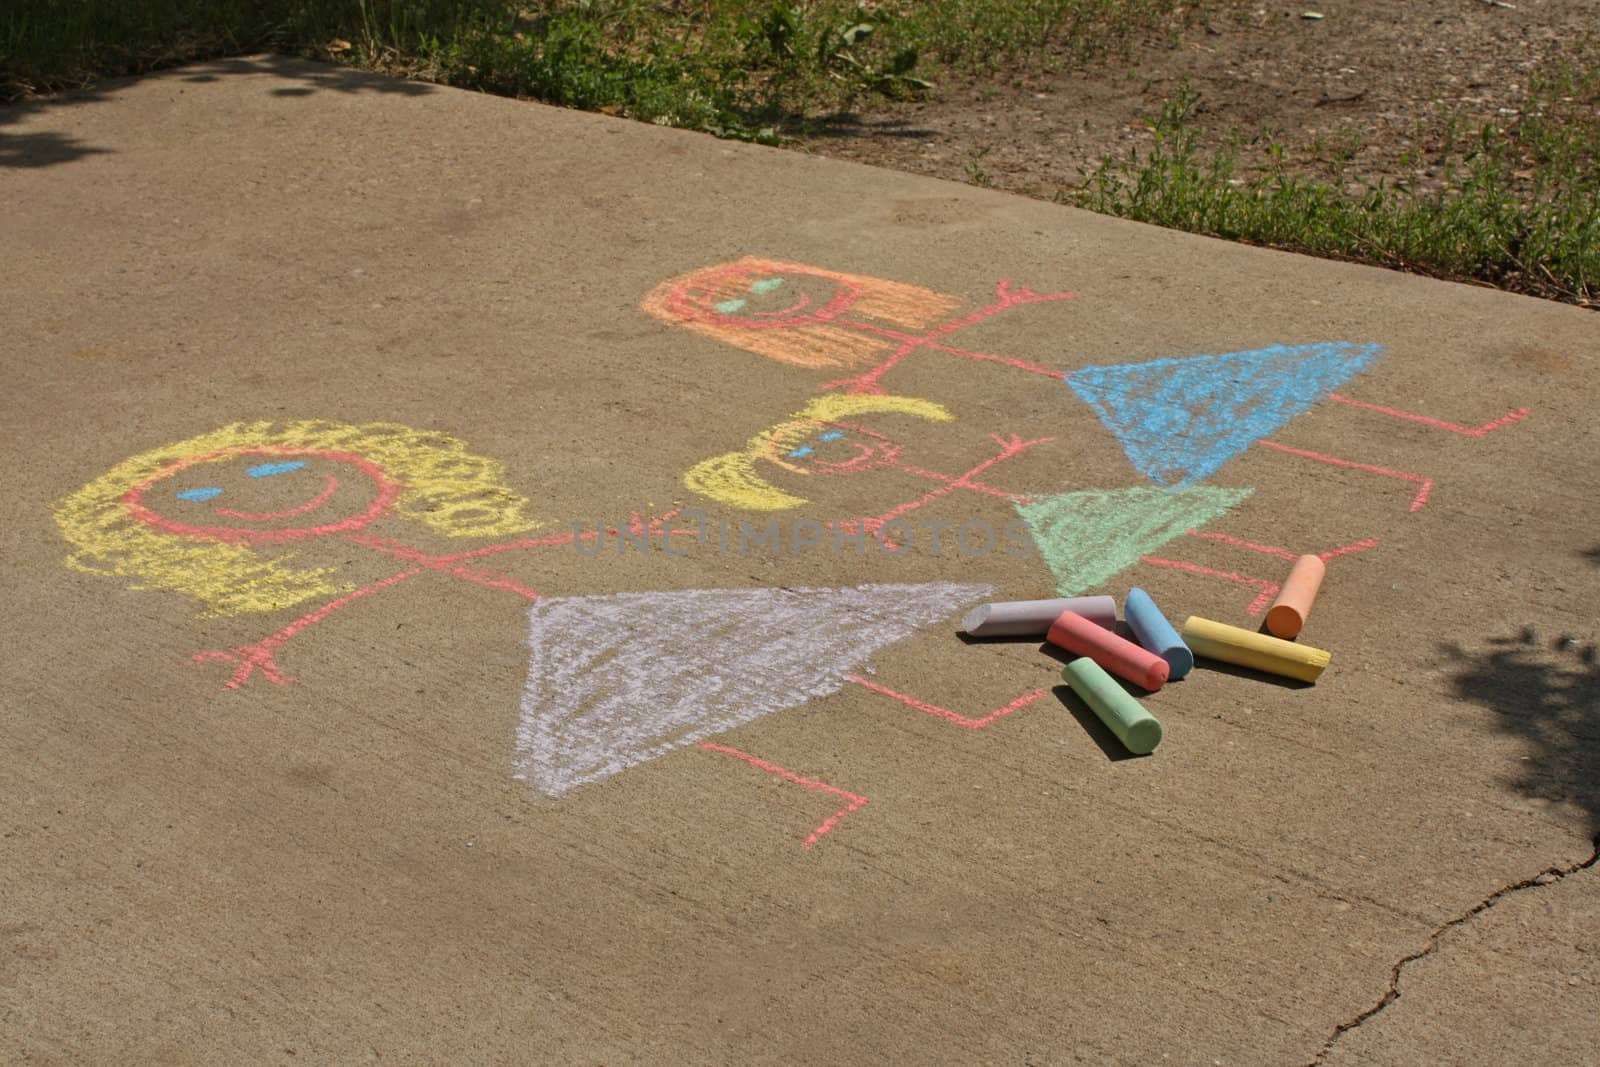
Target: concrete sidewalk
x=484, y=585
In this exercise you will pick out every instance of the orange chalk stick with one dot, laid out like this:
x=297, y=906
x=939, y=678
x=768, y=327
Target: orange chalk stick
x=1288, y=613
x=1118, y=655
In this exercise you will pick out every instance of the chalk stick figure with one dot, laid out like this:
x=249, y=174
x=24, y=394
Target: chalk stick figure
x=219, y=518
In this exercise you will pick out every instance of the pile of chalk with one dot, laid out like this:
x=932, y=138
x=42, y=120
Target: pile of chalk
x=1086, y=627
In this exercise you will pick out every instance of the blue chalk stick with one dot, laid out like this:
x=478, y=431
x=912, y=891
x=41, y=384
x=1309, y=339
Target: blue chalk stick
x=1156, y=634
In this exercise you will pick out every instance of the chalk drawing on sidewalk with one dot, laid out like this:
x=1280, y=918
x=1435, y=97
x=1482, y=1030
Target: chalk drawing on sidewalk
x=153, y=521
x=1087, y=538
x=1418, y=499
x=1351, y=549
x=614, y=681
x=878, y=525
x=1481, y=430
x=853, y=801
x=193, y=517
x=1266, y=588
x=811, y=317
x=815, y=440
x=794, y=313
x=969, y=722
x=1180, y=420
x=818, y=441
x=261, y=517
x=261, y=655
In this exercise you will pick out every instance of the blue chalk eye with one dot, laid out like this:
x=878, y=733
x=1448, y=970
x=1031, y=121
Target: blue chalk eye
x=801, y=452
x=728, y=307
x=833, y=435
x=765, y=285
x=199, y=494
x=267, y=470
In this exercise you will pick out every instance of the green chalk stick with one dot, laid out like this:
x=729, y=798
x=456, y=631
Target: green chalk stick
x=1124, y=716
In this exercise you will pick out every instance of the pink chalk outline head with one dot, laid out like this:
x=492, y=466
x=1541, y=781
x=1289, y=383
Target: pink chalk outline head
x=755, y=295
x=794, y=313
x=342, y=493
x=822, y=438
x=811, y=446
x=201, y=516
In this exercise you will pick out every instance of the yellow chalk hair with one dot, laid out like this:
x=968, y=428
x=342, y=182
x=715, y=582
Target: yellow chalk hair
x=732, y=478
x=443, y=486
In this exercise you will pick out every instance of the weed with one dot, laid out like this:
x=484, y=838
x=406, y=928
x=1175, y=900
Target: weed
x=976, y=175
x=732, y=67
x=1520, y=208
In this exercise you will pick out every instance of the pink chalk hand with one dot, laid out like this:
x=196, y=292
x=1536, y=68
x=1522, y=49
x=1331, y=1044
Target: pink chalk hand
x=1006, y=296
x=873, y=527
x=1013, y=444
x=250, y=658
x=1010, y=444
x=657, y=526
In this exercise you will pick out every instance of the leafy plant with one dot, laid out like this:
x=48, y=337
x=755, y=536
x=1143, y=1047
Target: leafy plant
x=1520, y=209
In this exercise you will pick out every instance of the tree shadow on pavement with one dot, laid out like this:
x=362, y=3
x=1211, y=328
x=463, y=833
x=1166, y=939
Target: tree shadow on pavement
x=309, y=77
x=42, y=148
x=1545, y=689
x=294, y=78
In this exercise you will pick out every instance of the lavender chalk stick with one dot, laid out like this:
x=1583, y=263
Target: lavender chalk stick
x=1156, y=633
x=1032, y=618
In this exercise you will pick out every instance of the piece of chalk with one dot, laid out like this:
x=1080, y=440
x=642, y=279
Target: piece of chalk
x=1124, y=716
x=1156, y=633
x=1032, y=618
x=1118, y=655
x=1288, y=613
x=1232, y=645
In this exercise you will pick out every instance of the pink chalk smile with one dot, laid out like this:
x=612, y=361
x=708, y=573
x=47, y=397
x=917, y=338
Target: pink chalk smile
x=384, y=493
x=331, y=487
x=798, y=306
x=704, y=302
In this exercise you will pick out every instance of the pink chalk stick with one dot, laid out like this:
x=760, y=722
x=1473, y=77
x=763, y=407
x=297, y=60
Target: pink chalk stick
x=1118, y=655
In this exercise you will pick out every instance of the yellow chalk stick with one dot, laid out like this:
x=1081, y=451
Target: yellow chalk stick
x=1230, y=644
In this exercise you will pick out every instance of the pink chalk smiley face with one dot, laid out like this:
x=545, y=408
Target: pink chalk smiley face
x=835, y=448
x=757, y=300
x=263, y=495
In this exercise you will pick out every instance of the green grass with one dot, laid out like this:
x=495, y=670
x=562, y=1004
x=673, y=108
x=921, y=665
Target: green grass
x=1519, y=205
x=740, y=68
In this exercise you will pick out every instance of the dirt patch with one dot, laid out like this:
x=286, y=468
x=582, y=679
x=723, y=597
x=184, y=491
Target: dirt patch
x=1365, y=92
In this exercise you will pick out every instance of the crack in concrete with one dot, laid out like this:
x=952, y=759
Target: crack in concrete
x=1548, y=876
